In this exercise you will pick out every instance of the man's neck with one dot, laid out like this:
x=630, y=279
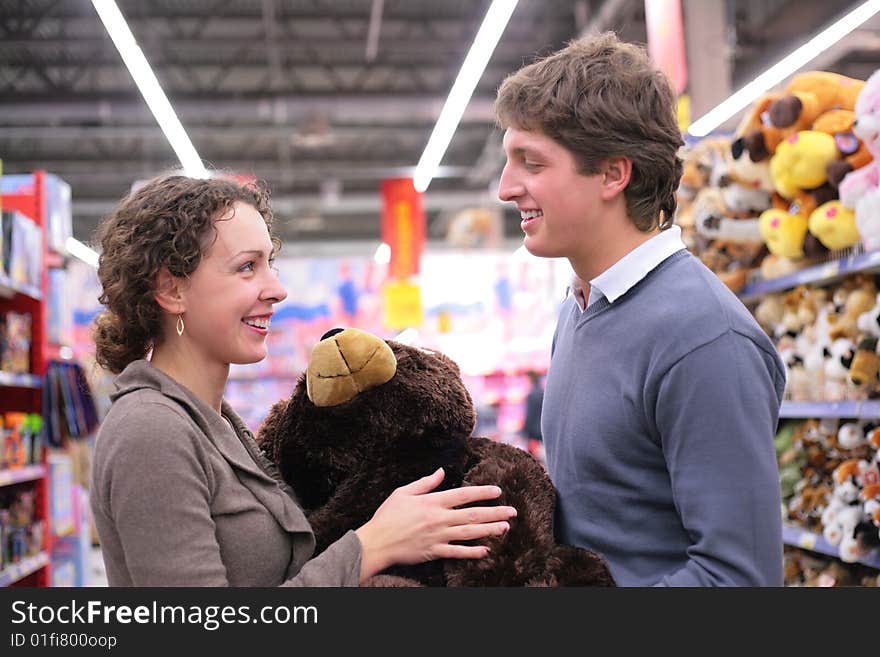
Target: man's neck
x=607, y=249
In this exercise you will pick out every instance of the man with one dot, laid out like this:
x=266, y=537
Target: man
x=531, y=429
x=663, y=393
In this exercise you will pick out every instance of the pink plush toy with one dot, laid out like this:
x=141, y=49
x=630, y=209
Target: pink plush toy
x=860, y=189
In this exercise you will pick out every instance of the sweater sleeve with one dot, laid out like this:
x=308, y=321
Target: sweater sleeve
x=338, y=565
x=159, y=501
x=160, y=490
x=717, y=410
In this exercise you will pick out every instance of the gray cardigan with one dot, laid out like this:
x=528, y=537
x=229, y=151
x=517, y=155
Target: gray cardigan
x=180, y=500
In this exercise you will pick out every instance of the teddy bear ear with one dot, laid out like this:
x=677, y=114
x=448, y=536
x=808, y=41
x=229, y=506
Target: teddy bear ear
x=345, y=363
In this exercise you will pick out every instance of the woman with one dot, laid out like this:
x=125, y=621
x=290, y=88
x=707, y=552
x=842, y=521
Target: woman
x=181, y=494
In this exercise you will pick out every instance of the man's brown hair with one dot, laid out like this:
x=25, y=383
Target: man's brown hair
x=599, y=97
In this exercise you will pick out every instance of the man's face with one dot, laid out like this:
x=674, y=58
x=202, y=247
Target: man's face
x=559, y=206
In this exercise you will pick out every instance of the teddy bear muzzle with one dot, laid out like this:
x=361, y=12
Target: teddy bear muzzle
x=345, y=363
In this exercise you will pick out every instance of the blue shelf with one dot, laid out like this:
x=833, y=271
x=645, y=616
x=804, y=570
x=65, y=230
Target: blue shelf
x=18, y=475
x=821, y=273
x=16, y=571
x=9, y=288
x=819, y=409
x=15, y=380
x=807, y=540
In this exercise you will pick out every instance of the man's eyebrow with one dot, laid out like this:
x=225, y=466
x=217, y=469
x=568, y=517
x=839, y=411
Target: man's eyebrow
x=523, y=151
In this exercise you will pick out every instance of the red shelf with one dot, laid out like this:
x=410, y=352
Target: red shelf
x=23, y=392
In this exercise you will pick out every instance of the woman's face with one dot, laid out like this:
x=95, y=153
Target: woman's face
x=230, y=296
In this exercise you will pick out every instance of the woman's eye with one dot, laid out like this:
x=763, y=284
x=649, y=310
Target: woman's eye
x=248, y=266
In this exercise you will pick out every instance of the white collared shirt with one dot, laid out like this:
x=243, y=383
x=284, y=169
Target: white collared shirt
x=615, y=281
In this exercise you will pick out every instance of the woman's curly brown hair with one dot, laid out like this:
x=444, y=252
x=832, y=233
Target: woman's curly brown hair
x=169, y=222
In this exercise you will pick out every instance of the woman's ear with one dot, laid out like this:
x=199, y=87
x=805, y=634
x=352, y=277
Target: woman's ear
x=168, y=292
x=617, y=172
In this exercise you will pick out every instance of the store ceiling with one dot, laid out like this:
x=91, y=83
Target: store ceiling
x=290, y=90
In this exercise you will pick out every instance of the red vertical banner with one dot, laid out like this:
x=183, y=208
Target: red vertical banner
x=403, y=226
x=666, y=40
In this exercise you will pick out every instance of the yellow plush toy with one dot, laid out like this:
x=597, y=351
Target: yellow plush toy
x=801, y=162
x=834, y=225
x=783, y=233
x=776, y=116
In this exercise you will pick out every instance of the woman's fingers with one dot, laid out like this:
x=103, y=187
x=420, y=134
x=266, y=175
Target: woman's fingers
x=466, y=495
x=481, y=514
x=460, y=552
x=425, y=484
x=471, y=532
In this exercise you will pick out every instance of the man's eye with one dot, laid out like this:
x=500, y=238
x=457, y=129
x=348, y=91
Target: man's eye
x=532, y=166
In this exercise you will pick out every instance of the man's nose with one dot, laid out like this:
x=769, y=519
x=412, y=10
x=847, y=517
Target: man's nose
x=508, y=188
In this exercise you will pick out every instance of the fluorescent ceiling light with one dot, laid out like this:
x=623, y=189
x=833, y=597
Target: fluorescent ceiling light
x=79, y=250
x=383, y=254
x=149, y=87
x=784, y=68
x=407, y=336
x=460, y=94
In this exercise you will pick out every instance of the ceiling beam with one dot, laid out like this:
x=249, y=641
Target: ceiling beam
x=363, y=203
x=360, y=133
x=351, y=109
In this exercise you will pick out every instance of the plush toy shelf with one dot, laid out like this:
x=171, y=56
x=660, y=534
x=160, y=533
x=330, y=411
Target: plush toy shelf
x=821, y=409
x=850, y=261
x=797, y=537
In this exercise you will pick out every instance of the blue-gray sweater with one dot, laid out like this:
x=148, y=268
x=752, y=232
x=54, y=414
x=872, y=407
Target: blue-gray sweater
x=658, y=421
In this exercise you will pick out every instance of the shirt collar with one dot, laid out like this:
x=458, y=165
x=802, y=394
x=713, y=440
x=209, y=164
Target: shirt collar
x=617, y=280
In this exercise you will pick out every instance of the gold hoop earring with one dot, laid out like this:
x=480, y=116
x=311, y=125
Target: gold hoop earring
x=180, y=325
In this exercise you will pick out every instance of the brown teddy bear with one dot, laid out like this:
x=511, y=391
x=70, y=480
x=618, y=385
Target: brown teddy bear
x=369, y=416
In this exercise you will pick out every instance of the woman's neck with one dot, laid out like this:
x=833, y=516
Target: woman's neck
x=205, y=380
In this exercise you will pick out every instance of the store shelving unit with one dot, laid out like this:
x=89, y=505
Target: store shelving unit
x=808, y=540
x=838, y=265
x=19, y=475
x=822, y=409
x=23, y=391
x=9, y=288
x=28, y=566
x=17, y=380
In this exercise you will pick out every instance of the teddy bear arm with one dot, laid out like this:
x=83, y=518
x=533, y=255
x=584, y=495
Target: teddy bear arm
x=574, y=566
x=352, y=504
x=524, y=556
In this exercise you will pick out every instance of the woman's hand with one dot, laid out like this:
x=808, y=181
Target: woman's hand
x=415, y=525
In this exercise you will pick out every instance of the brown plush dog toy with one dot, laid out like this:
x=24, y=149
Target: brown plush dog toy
x=370, y=416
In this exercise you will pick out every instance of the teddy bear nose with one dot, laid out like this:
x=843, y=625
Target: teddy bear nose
x=331, y=333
